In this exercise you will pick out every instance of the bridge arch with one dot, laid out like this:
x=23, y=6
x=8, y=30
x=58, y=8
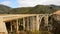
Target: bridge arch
x=42, y=22
x=50, y=22
x=41, y=26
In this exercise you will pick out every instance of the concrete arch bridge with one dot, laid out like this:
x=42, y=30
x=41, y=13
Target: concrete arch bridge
x=13, y=22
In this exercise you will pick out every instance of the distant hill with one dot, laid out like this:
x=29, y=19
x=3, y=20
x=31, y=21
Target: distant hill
x=23, y=10
x=39, y=9
x=4, y=9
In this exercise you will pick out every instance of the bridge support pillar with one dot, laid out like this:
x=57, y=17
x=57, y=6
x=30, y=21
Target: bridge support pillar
x=46, y=20
x=11, y=26
x=27, y=23
x=37, y=22
x=17, y=26
x=32, y=23
x=23, y=23
x=3, y=29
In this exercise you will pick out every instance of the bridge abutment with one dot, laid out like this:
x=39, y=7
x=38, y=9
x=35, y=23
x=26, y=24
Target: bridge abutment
x=3, y=29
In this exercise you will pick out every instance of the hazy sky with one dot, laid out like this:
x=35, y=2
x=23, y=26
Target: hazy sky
x=28, y=3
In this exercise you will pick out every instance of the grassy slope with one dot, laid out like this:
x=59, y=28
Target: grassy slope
x=39, y=9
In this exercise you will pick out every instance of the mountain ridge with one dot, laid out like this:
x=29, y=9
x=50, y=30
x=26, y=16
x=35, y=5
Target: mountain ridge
x=38, y=9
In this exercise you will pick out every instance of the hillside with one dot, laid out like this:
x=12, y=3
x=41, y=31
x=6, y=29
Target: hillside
x=39, y=9
x=4, y=9
x=23, y=10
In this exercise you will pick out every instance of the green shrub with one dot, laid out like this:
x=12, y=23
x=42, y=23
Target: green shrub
x=44, y=32
x=38, y=32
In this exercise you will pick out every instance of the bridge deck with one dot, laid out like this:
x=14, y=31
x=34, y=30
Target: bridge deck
x=8, y=17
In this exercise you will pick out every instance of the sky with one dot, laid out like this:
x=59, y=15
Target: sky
x=28, y=3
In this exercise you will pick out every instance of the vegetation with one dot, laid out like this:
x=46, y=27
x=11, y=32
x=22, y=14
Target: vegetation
x=34, y=32
x=39, y=9
x=4, y=9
